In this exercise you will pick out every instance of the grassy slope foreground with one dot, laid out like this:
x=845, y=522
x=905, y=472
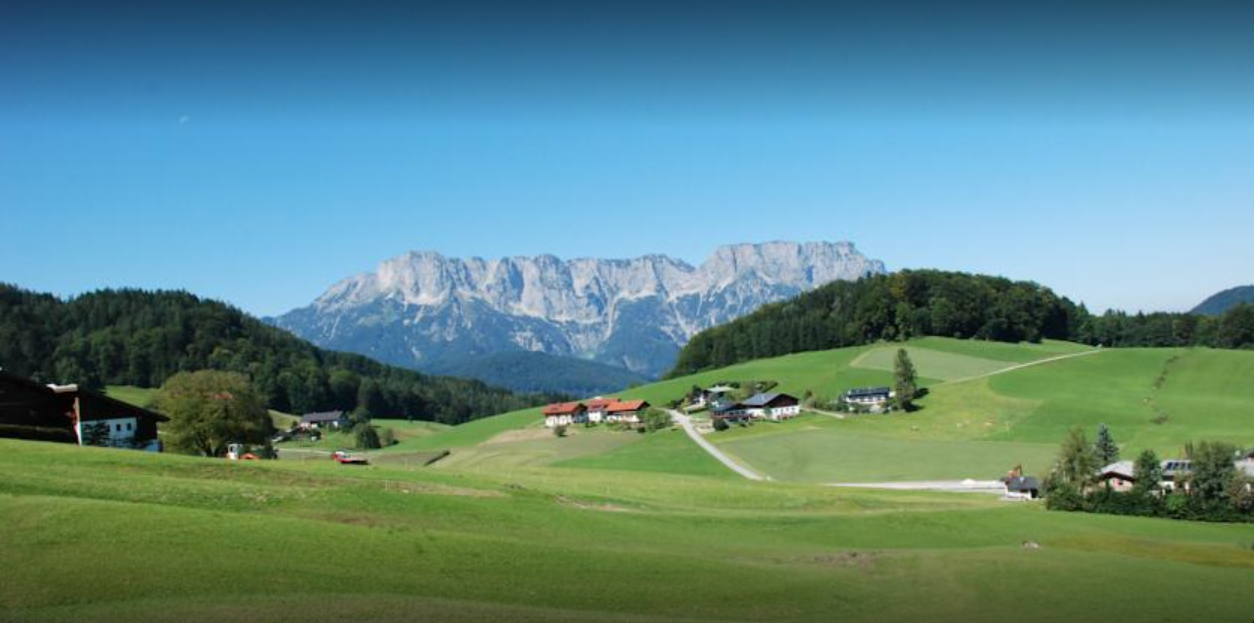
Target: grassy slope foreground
x=105, y=535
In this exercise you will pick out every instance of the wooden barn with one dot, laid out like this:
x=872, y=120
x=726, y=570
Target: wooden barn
x=70, y=414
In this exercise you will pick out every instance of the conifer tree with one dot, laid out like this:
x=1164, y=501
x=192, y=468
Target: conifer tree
x=906, y=381
x=1107, y=449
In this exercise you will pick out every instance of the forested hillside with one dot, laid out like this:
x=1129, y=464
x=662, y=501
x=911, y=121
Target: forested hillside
x=1221, y=302
x=919, y=303
x=133, y=337
x=526, y=371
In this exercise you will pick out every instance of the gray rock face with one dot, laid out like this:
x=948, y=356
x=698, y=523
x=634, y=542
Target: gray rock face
x=423, y=307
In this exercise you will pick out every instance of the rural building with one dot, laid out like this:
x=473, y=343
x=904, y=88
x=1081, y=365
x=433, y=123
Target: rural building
x=565, y=414
x=711, y=395
x=873, y=398
x=768, y=406
x=1120, y=475
x=1022, y=488
x=598, y=408
x=1173, y=469
x=70, y=414
x=631, y=411
x=323, y=419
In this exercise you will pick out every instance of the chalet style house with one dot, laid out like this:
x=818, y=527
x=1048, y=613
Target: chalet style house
x=325, y=419
x=595, y=411
x=774, y=407
x=70, y=414
x=565, y=414
x=629, y=411
x=875, y=399
x=706, y=397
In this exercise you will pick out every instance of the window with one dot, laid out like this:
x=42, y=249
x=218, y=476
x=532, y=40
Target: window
x=117, y=428
x=129, y=426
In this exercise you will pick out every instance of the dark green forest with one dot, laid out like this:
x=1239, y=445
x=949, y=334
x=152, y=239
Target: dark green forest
x=916, y=303
x=135, y=337
x=526, y=371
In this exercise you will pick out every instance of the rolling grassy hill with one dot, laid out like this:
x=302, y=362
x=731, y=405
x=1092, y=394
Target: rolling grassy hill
x=109, y=535
x=984, y=413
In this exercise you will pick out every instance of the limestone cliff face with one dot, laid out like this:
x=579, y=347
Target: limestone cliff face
x=422, y=307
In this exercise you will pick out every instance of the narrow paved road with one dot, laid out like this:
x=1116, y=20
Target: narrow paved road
x=686, y=423
x=959, y=486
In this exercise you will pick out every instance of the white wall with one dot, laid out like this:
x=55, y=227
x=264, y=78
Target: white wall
x=121, y=430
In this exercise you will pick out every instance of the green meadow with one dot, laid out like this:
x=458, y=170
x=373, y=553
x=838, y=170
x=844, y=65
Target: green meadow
x=112, y=535
x=517, y=524
x=989, y=407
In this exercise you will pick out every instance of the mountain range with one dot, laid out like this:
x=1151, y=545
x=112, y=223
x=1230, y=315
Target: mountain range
x=423, y=310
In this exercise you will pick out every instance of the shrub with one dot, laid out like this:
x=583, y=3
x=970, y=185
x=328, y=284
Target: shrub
x=720, y=424
x=559, y=431
x=656, y=419
x=367, y=437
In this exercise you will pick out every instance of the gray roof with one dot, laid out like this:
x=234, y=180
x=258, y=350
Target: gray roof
x=1122, y=468
x=868, y=391
x=1172, y=466
x=761, y=400
x=323, y=416
x=1022, y=483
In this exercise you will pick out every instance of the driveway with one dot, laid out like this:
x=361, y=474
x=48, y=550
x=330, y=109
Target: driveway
x=686, y=423
x=994, y=487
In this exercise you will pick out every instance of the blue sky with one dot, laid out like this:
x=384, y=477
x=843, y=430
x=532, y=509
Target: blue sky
x=259, y=154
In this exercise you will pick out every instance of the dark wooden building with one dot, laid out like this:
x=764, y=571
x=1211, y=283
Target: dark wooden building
x=67, y=413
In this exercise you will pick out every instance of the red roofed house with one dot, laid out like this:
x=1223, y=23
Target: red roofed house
x=597, y=408
x=565, y=414
x=629, y=411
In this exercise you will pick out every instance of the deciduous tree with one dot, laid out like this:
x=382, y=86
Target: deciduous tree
x=210, y=409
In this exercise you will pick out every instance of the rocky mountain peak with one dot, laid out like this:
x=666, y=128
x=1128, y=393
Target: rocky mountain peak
x=421, y=307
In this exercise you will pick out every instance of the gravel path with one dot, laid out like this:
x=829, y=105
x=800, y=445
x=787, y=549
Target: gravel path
x=685, y=422
x=961, y=486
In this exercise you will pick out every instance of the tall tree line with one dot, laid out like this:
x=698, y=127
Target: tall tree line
x=135, y=337
x=915, y=303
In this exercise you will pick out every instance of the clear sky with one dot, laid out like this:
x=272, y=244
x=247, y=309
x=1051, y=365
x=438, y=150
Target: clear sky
x=257, y=153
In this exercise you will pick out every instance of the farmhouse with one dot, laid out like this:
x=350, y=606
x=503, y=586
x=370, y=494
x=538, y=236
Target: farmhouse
x=324, y=419
x=565, y=414
x=711, y=395
x=1022, y=488
x=1120, y=475
x=769, y=406
x=595, y=411
x=874, y=398
x=629, y=411
x=598, y=408
x=68, y=413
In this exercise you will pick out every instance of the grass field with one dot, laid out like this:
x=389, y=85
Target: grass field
x=107, y=535
x=967, y=427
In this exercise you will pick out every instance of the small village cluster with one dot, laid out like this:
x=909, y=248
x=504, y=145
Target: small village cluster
x=595, y=411
x=769, y=406
x=1121, y=475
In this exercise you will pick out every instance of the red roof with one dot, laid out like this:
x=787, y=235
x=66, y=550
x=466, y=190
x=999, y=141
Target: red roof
x=564, y=408
x=598, y=403
x=630, y=405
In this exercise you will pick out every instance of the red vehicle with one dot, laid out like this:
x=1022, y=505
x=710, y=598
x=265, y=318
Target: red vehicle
x=344, y=458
